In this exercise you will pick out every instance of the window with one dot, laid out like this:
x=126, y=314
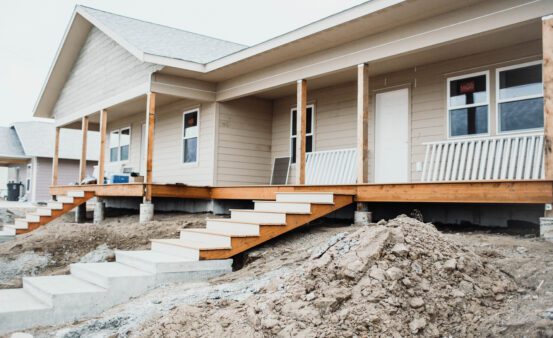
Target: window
x=467, y=105
x=119, y=144
x=310, y=127
x=520, y=97
x=190, y=137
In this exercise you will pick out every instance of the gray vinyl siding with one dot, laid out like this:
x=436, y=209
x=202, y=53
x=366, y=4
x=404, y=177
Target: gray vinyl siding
x=335, y=107
x=167, y=161
x=244, y=142
x=103, y=70
x=68, y=173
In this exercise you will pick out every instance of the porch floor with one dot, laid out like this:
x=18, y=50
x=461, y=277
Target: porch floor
x=496, y=192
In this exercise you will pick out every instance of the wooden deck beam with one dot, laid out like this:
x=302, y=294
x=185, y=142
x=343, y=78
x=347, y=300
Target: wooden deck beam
x=493, y=192
x=150, y=127
x=55, y=159
x=363, y=123
x=301, y=125
x=547, y=45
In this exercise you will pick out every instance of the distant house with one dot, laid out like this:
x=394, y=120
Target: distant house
x=27, y=150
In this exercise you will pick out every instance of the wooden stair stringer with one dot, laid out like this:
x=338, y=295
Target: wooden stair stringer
x=55, y=213
x=268, y=232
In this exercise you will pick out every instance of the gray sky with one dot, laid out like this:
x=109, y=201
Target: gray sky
x=31, y=31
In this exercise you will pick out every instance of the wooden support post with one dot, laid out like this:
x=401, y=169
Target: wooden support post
x=55, y=159
x=362, y=123
x=301, y=124
x=101, y=160
x=150, y=126
x=547, y=44
x=84, y=126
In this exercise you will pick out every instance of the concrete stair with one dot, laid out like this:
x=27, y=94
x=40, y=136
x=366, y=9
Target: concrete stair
x=196, y=255
x=54, y=209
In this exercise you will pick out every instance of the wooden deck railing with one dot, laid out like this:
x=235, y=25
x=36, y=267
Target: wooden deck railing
x=331, y=167
x=512, y=157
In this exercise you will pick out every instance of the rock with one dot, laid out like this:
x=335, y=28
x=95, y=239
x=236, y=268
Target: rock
x=417, y=324
x=400, y=249
x=416, y=302
x=450, y=265
x=382, y=222
x=457, y=293
x=394, y=273
x=377, y=273
x=548, y=314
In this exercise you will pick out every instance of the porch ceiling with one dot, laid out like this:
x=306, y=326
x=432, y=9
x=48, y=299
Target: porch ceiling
x=512, y=35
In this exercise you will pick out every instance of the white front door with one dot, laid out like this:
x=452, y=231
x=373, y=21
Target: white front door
x=392, y=137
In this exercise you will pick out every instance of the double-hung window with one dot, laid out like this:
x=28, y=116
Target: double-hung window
x=119, y=144
x=310, y=127
x=520, y=97
x=190, y=136
x=468, y=104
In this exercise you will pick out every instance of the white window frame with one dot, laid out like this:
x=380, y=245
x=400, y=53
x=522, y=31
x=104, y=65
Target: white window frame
x=312, y=133
x=119, y=144
x=190, y=164
x=498, y=101
x=449, y=107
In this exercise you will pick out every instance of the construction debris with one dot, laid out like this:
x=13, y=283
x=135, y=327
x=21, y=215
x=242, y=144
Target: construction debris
x=395, y=279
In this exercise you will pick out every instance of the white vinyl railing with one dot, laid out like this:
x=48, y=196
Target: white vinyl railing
x=331, y=167
x=513, y=157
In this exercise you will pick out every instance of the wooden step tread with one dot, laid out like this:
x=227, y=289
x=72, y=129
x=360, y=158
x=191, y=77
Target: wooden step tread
x=186, y=244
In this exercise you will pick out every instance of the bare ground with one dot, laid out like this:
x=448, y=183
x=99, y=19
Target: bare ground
x=517, y=310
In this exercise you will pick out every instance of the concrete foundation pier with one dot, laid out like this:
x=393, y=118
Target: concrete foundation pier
x=546, y=228
x=362, y=215
x=146, y=212
x=99, y=212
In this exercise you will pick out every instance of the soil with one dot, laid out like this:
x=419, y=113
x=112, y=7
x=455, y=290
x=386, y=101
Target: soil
x=329, y=279
x=50, y=249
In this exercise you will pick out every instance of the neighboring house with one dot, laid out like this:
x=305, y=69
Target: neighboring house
x=412, y=92
x=27, y=151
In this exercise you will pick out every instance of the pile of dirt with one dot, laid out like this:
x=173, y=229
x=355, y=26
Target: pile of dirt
x=399, y=278
x=56, y=245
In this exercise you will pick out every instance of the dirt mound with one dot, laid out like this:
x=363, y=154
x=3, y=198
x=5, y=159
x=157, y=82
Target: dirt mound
x=399, y=278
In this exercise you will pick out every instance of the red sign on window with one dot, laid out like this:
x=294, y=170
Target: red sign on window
x=467, y=87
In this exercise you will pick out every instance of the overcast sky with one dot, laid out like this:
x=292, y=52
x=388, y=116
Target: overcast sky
x=31, y=31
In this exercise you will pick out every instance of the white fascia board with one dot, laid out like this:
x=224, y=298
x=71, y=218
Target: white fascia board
x=171, y=62
x=302, y=32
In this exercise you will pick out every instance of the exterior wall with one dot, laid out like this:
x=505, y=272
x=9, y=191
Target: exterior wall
x=103, y=69
x=68, y=173
x=167, y=161
x=244, y=142
x=335, y=107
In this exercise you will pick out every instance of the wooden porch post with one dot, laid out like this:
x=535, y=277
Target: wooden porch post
x=101, y=160
x=55, y=159
x=301, y=123
x=150, y=126
x=84, y=127
x=362, y=123
x=547, y=43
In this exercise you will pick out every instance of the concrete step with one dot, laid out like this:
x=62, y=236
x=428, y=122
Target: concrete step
x=19, y=309
x=8, y=230
x=286, y=207
x=260, y=217
x=43, y=211
x=21, y=224
x=152, y=261
x=65, y=199
x=55, y=205
x=63, y=291
x=306, y=197
x=225, y=232
x=221, y=241
x=32, y=217
x=232, y=227
x=76, y=193
x=168, y=248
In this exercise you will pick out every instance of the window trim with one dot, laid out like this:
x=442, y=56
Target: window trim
x=449, y=107
x=119, y=144
x=312, y=134
x=182, y=138
x=498, y=101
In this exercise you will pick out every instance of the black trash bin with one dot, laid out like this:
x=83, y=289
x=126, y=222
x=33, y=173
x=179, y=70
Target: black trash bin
x=14, y=190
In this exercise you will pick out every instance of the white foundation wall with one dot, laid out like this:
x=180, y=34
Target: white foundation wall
x=336, y=106
x=244, y=140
